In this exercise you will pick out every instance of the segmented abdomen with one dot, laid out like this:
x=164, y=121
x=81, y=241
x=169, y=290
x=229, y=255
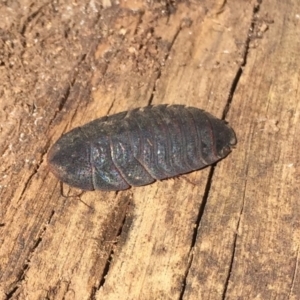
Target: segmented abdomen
x=140, y=146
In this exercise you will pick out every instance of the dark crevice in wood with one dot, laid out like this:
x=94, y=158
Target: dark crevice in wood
x=237, y=229
x=53, y=291
x=10, y=294
x=93, y=293
x=30, y=18
x=140, y=21
x=197, y=224
x=211, y=173
x=203, y=204
x=105, y=270
x=233, y=252
x=239, y=73
x=63, y=100
x=27, y=182
x=50, y=217
x=20, y=278
x=65, y=96
x=232, y=91
x=294, y=275
x=171, y=9
x=35, y=171
x=159, y=72
x=111, y=255
x=25, y=268
x=68, y=89
x=111, y=106
x=189, y=264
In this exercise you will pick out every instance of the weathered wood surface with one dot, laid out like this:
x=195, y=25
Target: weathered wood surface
x=226, y=232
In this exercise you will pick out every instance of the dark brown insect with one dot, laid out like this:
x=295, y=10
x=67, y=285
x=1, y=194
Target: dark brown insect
x=137, y=147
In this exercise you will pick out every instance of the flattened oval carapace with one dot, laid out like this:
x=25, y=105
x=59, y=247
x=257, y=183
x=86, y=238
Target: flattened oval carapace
x=139, y=146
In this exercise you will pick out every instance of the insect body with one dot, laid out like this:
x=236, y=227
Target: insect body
x=137, y=147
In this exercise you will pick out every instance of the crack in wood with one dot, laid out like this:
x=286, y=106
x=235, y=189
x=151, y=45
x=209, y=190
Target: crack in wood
x=294, y=274
x=239, y=73
x=211, y=172
x=197, y=225
x=159, y=73
x=226, y=284
x=20, y=278
x=187, y=270
x=111, y=254
x=232, y=91
x=61, y=285
x=27, y=183
x=111, y=106
x=30, y=18
x=68, y=89
x=10, y=294
x=22, y=274
x=139, y=22
x=36, y=169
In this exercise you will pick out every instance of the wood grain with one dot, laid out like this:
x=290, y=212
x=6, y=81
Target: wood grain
x=230, y=231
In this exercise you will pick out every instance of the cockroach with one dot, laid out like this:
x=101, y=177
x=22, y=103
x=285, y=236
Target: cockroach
x=139, y=146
